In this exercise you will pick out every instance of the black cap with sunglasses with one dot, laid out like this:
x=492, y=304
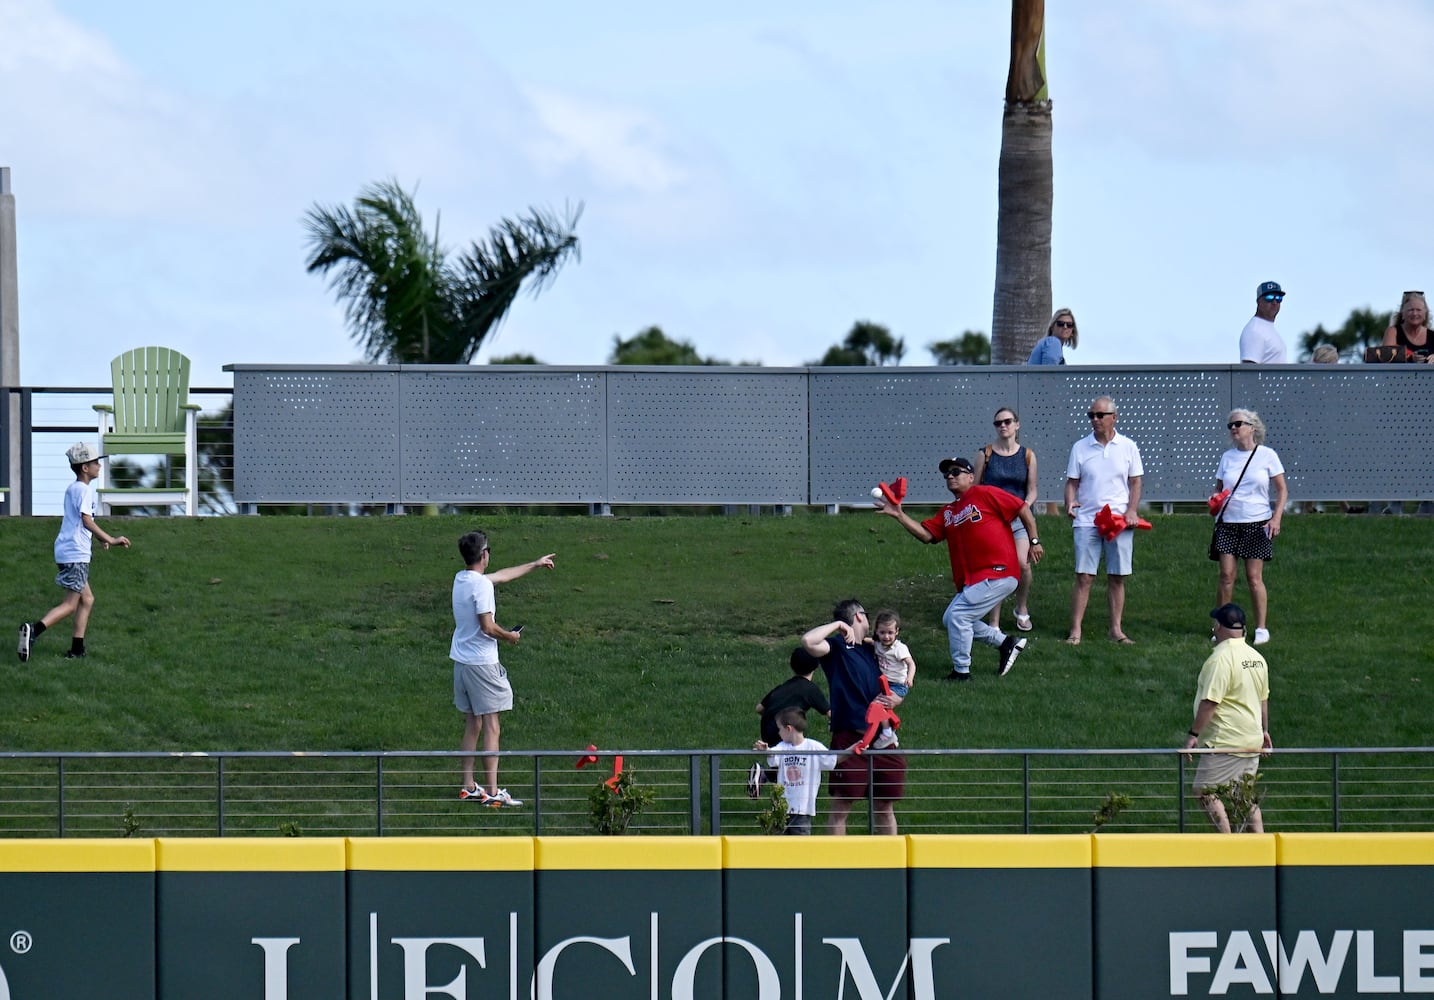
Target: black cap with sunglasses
x=1270, y=290
x=949, y=465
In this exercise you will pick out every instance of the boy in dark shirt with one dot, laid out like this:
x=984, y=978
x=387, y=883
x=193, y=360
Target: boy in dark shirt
x=798, y=692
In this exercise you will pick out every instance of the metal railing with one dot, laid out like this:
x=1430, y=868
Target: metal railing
x=414, y=792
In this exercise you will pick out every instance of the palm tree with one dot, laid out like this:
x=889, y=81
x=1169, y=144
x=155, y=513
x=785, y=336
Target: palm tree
x=406, y=303
x=1023, y=214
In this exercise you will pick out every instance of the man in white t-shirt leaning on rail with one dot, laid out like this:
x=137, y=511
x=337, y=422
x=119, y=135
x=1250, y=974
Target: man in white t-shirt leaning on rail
x=1260, y=342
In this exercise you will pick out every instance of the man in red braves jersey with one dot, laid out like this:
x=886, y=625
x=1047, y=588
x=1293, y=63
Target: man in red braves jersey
x=976, y=527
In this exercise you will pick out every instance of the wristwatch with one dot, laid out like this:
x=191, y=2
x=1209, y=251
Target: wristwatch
x=1035, y=541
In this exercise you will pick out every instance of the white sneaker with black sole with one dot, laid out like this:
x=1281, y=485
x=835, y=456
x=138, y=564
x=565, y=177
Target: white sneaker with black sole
x=27, y=636
x=1010, y=649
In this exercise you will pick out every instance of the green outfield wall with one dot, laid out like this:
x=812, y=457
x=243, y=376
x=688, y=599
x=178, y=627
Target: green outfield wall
x=747, y=918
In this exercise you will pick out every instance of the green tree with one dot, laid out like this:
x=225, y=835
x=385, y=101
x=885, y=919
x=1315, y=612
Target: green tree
x=1024, y=193
x=867, y=343
x=515, y=359
x=405, y=301
x=653, y=347
x=1363, y=328
x=971, y=348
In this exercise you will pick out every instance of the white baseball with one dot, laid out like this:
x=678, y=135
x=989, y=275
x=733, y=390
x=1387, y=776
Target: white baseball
x=876, y=492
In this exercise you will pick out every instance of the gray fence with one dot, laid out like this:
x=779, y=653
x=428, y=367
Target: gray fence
x=413, y=793
x=794, y=436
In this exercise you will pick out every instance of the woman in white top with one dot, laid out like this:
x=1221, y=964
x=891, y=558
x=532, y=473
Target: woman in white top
x=1250, y=520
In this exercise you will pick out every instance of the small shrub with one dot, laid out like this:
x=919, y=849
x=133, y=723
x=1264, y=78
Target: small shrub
x=773, y=818
x=1115, y=803
x=612, y=807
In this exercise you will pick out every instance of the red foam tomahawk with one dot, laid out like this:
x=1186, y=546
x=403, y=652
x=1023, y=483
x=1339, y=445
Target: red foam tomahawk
x=894, y=493
x=591, y=758
x=877, y=715
x=1111, y=525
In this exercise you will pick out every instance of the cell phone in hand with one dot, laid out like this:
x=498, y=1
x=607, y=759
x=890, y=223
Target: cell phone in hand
x=518, y=629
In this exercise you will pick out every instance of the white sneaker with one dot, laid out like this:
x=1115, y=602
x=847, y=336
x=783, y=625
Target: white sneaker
x=1262, y=636
x=501, y=798
x=885, y=739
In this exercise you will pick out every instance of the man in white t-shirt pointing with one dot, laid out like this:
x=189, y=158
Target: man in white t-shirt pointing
x=1260, y=342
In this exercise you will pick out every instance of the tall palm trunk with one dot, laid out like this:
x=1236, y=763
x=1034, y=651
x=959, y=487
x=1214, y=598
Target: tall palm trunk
x=1022, y=305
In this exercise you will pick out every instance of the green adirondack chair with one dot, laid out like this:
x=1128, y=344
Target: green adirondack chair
x=151, y=415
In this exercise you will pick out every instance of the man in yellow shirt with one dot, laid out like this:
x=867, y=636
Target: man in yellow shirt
x=1232, y=716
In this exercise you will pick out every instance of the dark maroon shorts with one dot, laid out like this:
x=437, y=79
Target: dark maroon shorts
x=849, y=778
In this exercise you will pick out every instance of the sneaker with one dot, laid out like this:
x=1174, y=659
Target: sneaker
x=474, y=794
x=501, y=798
x=885, y=739
x=754, y=781
x=957, y=676
x=1262, y=636
x=73, y=655
x=27, y=636
x=1010, y=649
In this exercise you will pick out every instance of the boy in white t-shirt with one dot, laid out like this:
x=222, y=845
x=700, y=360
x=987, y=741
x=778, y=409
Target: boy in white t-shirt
x=73, y=546
x=799, y=763
x=897, y=667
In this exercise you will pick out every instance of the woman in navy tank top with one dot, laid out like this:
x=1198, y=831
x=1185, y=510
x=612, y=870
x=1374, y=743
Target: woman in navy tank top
x=1009, y=465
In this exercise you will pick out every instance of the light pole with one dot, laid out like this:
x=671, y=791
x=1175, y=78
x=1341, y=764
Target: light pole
x=10, y=338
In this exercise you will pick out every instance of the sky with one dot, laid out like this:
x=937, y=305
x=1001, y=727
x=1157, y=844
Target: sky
x=755, y=177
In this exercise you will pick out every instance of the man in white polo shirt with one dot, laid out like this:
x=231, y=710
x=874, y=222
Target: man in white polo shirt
x=1260, y=342
x=1104, y=468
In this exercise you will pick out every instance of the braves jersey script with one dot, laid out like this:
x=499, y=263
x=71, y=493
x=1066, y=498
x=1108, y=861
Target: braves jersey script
x=977, y=530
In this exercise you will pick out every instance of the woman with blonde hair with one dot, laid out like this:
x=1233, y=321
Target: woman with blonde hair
x=1410, y=329
x=1249, y=518
x=1062, y=331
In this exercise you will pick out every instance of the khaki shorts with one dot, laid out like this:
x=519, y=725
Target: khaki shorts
x=481, y=688
x=1216, y=769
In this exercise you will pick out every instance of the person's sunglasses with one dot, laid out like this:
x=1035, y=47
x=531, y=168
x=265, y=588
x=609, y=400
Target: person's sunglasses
x=1065, y=324
x=1093, y=415
x=1273, y=298
x=1003, y=422
x=953, y=472
x=1414, y=291
x=1236, y=423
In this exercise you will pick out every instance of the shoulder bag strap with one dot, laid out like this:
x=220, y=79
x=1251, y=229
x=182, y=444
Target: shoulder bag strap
x=1221, y=516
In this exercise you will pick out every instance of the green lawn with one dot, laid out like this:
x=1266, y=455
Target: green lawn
x=662, y=632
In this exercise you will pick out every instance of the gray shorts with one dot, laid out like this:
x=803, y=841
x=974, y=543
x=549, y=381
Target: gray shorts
x=798, y=825
x=1216, y=769
x=481, y=688
x=73, y=576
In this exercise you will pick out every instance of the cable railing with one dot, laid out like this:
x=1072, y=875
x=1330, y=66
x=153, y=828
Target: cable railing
x=414, y=792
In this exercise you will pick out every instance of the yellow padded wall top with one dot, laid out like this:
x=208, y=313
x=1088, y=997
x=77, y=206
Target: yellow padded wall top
x=79, y=855
x=1183, y=850
x=988, y=851
x=627, y=853
x=814, y=852
x=1355, y=848
x=440, y=854
x=250, y=854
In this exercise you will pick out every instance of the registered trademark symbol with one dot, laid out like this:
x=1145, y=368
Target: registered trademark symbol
x=21, y=942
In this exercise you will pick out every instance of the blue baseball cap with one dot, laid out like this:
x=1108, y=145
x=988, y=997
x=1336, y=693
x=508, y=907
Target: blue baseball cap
x=1269, y=288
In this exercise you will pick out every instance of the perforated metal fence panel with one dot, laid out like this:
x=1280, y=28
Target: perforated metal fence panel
x=499, y=435
x=316, y=435
x=873, y=425
x=823, y=436
x=707, y=436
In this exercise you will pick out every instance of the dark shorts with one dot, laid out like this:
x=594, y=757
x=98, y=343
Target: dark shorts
x=1247, y=540
x=849, y=778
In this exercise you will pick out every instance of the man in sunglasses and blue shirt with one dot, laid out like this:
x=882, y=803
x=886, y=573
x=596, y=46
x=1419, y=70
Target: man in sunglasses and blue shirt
x=1260, y=342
